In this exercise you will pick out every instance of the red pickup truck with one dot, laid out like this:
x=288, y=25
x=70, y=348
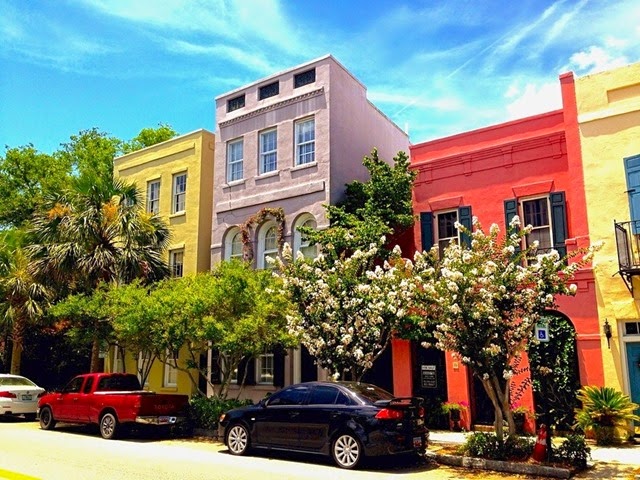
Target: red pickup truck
x=112, y=401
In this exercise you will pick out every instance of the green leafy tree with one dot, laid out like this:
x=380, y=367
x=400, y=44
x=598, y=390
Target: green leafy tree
x=97, y=232
x=482, y=303
x=377, y=208
x=235, y=310
x=91, y=153
x=148, y=137
x=27, y=176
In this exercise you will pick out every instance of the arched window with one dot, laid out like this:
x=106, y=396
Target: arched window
x=270, y=246
x=233, y=244
x=300, y=242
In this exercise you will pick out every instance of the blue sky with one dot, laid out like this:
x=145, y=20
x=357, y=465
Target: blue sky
x=434, y=67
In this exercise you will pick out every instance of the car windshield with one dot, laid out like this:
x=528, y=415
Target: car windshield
x=16, y=381
x=369, y=393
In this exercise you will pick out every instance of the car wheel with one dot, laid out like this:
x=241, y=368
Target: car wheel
x=47, y=422
x=108, y=426
x=346, y=451
x=238, y=440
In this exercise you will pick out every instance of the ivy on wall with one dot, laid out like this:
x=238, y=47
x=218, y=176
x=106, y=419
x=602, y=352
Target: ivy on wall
x=247, y=229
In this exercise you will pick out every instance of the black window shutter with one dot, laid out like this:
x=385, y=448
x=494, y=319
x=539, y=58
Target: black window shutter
x=216, y=376
x=465, y=219
x=559, y=221
x=426, y=228
x=278, y=369
x=510, y=211
x=248, y=365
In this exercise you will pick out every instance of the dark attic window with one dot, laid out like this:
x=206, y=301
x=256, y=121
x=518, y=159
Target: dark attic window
x=235, y=103
x=304, y=78
x=270, y=90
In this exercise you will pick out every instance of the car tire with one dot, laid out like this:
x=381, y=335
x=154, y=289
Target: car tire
x=47, y=422
x=346, y=450
x=109, y=426
x=238, y=440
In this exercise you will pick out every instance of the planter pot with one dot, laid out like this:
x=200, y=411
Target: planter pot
x=519, y=419
x=454, y=417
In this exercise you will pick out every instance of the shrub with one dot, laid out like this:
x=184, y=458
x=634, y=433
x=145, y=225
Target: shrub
x=605, y=411
x=573, y=451
x=487, y=445
x=204, y=412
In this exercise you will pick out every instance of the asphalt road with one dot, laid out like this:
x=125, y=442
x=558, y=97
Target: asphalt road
x=72, y=452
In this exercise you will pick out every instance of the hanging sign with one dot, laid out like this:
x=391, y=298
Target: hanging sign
x=428, y=376
x=542, y=332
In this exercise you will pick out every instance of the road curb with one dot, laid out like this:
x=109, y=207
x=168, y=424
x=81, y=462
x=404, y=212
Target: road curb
x=500, y=466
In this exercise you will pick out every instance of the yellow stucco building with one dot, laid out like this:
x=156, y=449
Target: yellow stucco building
x=176, y=180
x=609, y=127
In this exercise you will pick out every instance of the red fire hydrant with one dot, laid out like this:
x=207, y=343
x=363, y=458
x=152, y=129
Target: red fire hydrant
x=540, y=448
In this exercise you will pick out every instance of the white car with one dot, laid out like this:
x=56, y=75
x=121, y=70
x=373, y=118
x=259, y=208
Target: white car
x=19, y=396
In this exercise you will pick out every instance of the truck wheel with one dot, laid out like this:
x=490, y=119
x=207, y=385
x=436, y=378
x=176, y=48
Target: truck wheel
x=238, y=439
x=47, y=422
x=108, y=426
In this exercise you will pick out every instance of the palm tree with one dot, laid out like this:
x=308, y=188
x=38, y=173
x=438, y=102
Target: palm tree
x=24, y=298
x=97, y=232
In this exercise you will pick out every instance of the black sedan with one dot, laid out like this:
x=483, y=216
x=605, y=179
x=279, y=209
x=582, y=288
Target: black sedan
x=346, y=420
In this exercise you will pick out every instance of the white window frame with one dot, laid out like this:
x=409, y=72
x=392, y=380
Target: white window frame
x=268, y=158
x=300, y=243
x=444, y=242
x=170, y=377
x=263, y=251
x=548, y=226
x=235, y=166
x=305, y=157
x=179, y=197
x=172, y=262
x=265, y=369
x=153, y=204
x=233, y=236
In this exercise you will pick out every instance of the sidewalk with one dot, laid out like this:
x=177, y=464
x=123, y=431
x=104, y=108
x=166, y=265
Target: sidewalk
x=628, y=454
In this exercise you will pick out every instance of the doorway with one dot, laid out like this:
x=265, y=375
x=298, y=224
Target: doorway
x=633, y=369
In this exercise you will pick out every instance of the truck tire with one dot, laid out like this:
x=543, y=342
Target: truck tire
x=47, y=422
x=109, y=426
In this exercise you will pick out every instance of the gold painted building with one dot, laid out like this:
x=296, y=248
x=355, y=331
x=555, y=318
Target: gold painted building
x=176, y=180
x=609, y=126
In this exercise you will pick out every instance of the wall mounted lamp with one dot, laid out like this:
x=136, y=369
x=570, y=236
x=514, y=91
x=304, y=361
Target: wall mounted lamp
x=607, y=332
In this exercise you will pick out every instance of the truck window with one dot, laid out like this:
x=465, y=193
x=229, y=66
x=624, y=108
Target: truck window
x=88, y=385
x=118, y=383
x=74, y=385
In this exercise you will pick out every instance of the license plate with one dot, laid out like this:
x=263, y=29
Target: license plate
x=26, y=397
x=417, y=442
x=163, y=420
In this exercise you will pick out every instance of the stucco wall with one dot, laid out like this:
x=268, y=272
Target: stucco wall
x=609, y=123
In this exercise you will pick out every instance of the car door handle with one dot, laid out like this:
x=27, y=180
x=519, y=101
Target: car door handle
x=294, y=414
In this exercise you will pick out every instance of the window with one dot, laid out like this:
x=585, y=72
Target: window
x=270, y=247
x=176, y=263
x=170, y=371
x=235, y=103
x=446, y=231
x=631, y=328
x=235, y=155
x=304, y=78
x=293, y=395
x=535, y=212
x=74, y=385
x=153, y=197
x=268, y=151
x=236, y=246
x=270, y=90
x=305, y=141
x=264, y=368
x=179, y=192
x=301, y=243
x=88, y=385
x=323, y=395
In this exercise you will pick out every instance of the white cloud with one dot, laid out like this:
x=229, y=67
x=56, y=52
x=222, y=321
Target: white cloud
x=533, y=99
x=596, y=59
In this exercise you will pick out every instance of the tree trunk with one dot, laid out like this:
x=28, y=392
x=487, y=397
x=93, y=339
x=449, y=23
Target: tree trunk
x=95, y=355
x=17, y=337
x=497, y=407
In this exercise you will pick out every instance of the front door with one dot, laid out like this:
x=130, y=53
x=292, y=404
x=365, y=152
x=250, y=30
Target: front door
x=633, y=367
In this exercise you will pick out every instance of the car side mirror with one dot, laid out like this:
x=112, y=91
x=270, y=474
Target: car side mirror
x=263, y=403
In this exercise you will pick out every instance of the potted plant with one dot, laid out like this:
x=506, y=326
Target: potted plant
x=454, y=410
x=605, y=412
x=520, y=415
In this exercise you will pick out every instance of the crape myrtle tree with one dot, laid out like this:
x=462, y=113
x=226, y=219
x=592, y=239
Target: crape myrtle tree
x=351, y=297
x=235, y=310
x=347, y=306
x=483, y=301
